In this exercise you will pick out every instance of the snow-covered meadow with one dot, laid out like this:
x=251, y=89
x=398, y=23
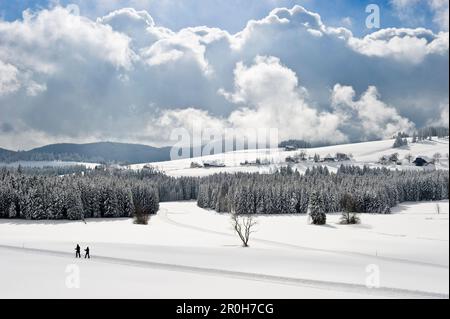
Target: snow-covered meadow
x=188, y=252
x=367, y=153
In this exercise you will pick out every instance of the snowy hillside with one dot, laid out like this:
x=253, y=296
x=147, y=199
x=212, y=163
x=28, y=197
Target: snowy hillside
x=367, y=153
x=186, y=251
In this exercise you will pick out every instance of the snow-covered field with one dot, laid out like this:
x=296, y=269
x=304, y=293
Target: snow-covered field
x=187, y=252
x=367, y=153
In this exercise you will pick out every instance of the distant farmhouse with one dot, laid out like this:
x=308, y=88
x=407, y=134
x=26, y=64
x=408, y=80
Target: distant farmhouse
x=328, y=158
x=422, y=161
x=293, y=145
x=257, y=162
x=290, y=148
x=302, y=156
x=207, y=164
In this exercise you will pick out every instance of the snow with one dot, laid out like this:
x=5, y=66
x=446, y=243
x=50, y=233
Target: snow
x=48, y=280
x=189, y=252
x=367, y=153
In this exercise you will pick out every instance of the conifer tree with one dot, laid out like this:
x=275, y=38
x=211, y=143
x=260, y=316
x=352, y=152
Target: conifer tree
x=316, y=209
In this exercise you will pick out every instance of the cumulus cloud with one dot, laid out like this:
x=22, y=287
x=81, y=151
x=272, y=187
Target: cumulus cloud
x=9, y=81
x=442, y=118
x=269, y=96
x=368, y=116
x=124, y=77
x=408, y=45
x=12, y=80
x=70, y=37
x=133, y=23
x=128, y=19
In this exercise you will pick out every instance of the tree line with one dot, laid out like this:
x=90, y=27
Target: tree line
x=430, y=131
x=289, y=192
x=40, y=194
x=92, y=193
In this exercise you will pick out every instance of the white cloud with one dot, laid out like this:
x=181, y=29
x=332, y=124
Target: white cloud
x=35, y=89
x=368, y=116
x=269, y=96
x=441, y=12
x=347, y=22
x=443, y=116
x=26, y=43
x=297, y=17
x=407, y=45
x=132, y=23
x=9, y=81
x=400, y=4
x=272, y=98
x=128, y=18
x=123, y=76
x=408, y=10
x=12, y=80
x=184, y=44
x=189, y=118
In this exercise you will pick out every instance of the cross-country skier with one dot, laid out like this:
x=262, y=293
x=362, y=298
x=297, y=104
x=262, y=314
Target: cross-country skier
x=87, y=253
x=78, y=251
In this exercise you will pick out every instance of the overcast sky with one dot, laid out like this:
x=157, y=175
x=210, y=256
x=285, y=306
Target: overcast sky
x=133, y=70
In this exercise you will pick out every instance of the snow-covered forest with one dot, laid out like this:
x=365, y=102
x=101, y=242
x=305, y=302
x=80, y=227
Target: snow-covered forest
x=43, y=194
x=288, y=192
x=90, y=194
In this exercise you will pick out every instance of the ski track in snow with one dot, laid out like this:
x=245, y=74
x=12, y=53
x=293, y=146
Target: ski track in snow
x=317, y=284
x=163, y=213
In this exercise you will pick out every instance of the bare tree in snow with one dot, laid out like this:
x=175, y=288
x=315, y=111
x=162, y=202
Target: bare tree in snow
x=437, y=156
x=243, y=226
x=409, y=157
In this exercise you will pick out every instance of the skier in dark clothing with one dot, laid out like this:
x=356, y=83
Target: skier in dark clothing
x=87, y=253
x=78, y=251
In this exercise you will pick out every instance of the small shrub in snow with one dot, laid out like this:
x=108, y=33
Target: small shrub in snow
x=349, y=215
x=140, y=217
x=349, y=218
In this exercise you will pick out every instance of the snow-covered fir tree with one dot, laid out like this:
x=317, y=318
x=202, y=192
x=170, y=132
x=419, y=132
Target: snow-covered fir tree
x=317, y=208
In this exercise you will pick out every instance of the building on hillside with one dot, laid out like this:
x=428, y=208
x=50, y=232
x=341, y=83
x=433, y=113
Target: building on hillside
x=422, y=161
x=290, y=148
x=213, y=164
x=328, y=158
x=341, y=157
